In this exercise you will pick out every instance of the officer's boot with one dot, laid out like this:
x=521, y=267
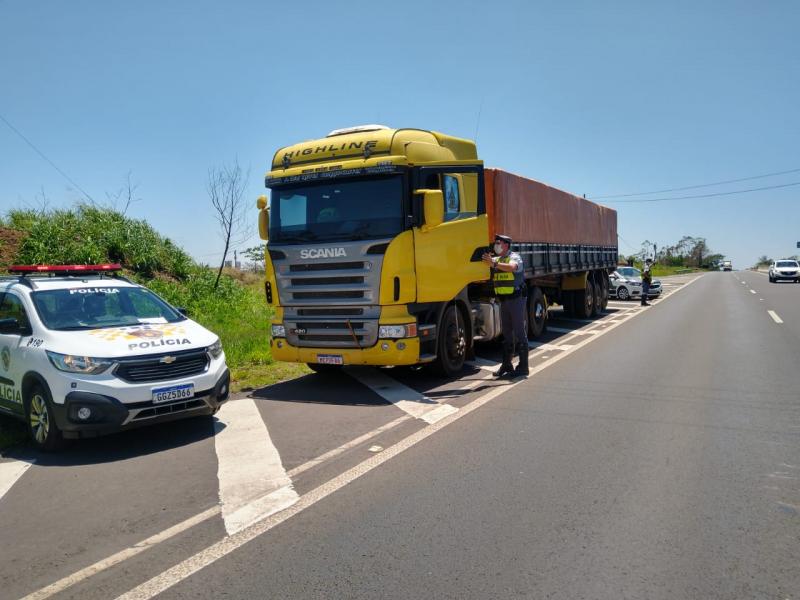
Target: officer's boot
x=506, y=368
x=522, y=368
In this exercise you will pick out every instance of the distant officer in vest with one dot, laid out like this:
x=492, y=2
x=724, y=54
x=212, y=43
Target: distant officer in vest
x=647, y=279
x=509, y=286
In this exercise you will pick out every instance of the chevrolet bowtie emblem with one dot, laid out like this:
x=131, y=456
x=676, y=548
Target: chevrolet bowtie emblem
x=168, y=360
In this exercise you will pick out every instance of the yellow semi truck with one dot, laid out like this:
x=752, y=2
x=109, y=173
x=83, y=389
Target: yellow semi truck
x=374, y=244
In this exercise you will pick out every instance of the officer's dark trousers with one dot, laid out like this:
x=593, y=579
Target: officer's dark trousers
x=512, y=317
x=645, y=291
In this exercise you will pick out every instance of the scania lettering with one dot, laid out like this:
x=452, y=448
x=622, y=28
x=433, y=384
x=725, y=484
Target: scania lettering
x=374, y=244
x=323, y=253
x=85, y=352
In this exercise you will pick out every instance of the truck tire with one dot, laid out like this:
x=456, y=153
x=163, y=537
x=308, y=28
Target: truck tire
x=451, y=345
x=537, y=313
x=583, y=302
x=40, y=419
x=597, y=301
x=605, y=283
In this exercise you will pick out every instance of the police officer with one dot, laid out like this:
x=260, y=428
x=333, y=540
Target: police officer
x=509, y=287
x=647, y=279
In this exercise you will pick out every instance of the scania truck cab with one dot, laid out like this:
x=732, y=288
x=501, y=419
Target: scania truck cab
x=375, y=238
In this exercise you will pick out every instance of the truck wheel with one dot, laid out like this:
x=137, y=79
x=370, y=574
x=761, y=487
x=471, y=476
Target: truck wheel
x=452, y=344
x=324, y=369
x=537, y=313
x=604, y=282
x=584, y=302
x=597, y=300
x=42, y=427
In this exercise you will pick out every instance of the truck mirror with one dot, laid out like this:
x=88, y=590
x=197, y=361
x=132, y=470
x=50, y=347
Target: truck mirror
x=263, y=223
x=433, y=208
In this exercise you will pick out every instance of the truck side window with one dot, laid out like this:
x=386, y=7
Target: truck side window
x=452, y=198
x=11, y=308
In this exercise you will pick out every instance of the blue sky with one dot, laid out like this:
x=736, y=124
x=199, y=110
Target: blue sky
x=593, y=97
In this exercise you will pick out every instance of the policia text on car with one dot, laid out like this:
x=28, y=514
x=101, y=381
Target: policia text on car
x=509, y=286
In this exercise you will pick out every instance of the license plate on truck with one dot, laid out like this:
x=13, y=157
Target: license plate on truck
x=175, y=392
x=330, y=359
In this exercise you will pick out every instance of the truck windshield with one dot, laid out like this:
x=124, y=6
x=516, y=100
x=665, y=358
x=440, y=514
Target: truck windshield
x=96, y=308
x=350, y=209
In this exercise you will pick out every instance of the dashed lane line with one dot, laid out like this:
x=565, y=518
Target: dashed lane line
x=208, y=556
x=774, y=316
x=575, y=331
x=752, y=291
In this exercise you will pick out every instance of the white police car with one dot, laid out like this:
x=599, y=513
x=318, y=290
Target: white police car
x=84, y=352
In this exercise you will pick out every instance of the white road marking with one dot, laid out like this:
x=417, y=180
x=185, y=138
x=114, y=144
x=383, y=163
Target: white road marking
x=204, y=558
x=752, y=291
x=10, y=472
x=114, y=559
x=252, y=481
x=206, y=515
x=774, y=316
x=576, y=331
x=545, y=346
x=403, y=397
x=574, y=320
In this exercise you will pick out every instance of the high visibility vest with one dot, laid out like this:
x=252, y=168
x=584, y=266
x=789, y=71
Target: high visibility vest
x=503, y=280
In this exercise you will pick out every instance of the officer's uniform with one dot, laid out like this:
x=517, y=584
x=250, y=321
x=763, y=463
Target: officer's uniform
x=510, y=289
x=647, y=279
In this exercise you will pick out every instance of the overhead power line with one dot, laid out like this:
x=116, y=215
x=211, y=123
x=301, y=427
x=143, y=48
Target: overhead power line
x=694, y=187
x=50, y=162
x=769, y=187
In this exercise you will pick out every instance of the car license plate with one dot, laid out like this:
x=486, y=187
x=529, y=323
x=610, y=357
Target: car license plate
x=176, y=392
x=330, y=359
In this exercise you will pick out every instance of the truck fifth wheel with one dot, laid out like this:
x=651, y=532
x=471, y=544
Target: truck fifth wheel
x=374, y=244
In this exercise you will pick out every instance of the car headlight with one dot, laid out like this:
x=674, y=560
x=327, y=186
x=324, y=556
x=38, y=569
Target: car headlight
x=397, y=331
x=86, y=365
x=278, y=331
x=215, y=349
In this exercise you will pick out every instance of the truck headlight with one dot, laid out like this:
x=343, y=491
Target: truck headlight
x=86, y=365
x=215, y=349
x=278, y=331
x=397, y=331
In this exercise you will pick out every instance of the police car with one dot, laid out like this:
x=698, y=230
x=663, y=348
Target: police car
x=84, y=352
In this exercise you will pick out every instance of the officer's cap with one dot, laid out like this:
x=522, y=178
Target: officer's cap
x=503, y=238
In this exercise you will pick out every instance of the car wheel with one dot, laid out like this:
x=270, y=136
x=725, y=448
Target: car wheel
x=452, y=344
x=42, y=426
x=622, y=293
x=324, y=369
x=537, y=313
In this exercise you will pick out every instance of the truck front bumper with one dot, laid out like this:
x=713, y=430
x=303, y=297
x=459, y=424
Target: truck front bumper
x=109, y=415
x=384, y=353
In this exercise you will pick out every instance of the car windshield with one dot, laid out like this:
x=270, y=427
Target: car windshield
x=99, y=307
x=351, y=209
x=787, y=263
x=630, y=272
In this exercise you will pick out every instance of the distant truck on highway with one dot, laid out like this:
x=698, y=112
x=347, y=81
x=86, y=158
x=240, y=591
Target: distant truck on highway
x=727, y=266
x=375, y=238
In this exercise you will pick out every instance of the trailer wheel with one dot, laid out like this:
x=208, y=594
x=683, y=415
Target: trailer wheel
x=452, y=343
x=604, y=281
x=583, y=302
x=597, y=301
x=537, y=313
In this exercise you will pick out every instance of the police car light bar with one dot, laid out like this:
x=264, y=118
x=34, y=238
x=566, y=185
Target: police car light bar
x=23, y=269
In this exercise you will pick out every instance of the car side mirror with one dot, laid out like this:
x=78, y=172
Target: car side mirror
x=432, y=207
x=263, y=218
x=10, y=325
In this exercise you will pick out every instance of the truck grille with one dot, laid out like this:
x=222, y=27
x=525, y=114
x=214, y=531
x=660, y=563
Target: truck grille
x=152, y=368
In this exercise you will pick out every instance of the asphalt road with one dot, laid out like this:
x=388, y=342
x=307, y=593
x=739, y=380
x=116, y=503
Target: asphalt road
x=654, y=453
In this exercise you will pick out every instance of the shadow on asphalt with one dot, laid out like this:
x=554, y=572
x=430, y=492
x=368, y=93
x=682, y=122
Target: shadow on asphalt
x=152, y=439
x=338, y=389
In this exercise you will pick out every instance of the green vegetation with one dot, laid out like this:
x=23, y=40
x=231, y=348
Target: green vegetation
x=85, y=234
